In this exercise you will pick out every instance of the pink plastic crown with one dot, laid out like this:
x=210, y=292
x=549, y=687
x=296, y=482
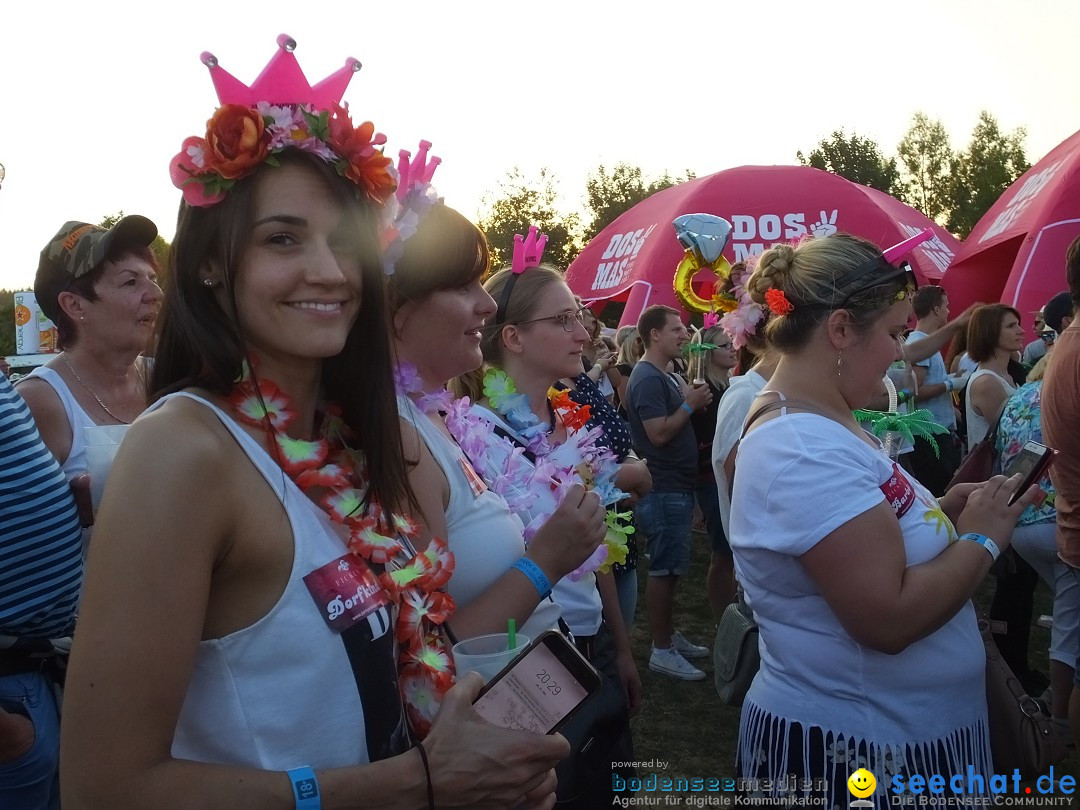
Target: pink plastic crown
x=528, y=251
x=414, y=172
x=281, y=81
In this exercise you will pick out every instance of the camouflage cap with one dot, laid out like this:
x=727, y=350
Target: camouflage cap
x=78, y=248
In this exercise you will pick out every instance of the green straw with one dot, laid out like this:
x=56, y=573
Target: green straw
x=511, y=633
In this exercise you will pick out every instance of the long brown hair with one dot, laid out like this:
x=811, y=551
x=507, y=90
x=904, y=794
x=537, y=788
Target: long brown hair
x=202, y=345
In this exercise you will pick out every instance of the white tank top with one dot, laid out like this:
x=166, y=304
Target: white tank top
x=485, y=536
x=75, y=463
x=978, y=426
x=280, y=693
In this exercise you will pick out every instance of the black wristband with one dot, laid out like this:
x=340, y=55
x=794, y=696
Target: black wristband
x=427, y=774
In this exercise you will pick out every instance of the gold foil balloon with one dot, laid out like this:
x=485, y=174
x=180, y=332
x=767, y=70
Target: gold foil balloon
x=704, y=236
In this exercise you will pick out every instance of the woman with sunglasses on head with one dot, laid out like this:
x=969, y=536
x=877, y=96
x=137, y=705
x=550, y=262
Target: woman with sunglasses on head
x=542, y=442
x=439, y=307
x=860, y=580
x=257, y=629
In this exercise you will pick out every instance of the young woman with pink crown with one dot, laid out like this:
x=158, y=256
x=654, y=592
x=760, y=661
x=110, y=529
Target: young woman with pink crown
x=260, y=625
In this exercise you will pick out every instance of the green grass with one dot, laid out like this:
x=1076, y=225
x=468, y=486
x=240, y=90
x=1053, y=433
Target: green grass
x=687, y=726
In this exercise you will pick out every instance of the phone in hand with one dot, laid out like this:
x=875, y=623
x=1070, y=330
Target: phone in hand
x=541, y=688
x=1032, y=462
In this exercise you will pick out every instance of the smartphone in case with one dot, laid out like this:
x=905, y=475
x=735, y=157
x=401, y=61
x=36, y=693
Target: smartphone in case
x=1032, y=462
x=541, y=688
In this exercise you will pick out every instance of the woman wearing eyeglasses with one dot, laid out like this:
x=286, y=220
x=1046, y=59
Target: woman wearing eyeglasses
x=539, y=442
x=860, y=580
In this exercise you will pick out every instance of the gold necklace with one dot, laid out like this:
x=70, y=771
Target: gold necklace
x=90, y=390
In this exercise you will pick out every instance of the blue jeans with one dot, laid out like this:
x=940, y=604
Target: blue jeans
x=666, y=518
x=32, y=782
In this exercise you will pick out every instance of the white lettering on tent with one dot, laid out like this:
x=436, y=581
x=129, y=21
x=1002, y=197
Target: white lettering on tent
x=618, y=258
x=1019, y=203
x=771, y=228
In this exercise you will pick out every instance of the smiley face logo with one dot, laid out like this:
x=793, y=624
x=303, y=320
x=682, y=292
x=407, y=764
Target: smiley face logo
x=861, y=783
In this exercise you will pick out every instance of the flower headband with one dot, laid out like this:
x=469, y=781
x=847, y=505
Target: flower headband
x=410, y=203
x=528, y=252
x=279, y=111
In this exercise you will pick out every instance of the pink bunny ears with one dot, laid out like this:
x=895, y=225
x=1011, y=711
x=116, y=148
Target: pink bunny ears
x=528, y=250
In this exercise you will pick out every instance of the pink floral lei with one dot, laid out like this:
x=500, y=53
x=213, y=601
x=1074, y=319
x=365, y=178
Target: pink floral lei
x=508, y=473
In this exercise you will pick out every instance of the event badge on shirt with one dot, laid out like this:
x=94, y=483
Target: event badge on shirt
x=476, y=483
x=899, y=492
x=346, y=591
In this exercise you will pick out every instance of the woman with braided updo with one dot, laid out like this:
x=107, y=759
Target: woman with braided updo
x=861, y=585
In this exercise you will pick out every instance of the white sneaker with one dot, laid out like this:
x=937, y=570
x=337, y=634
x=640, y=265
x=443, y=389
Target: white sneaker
x=686, y=648
x=670, y=662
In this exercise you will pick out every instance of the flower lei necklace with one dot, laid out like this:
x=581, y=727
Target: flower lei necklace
x=509, y=473
x=413, y=580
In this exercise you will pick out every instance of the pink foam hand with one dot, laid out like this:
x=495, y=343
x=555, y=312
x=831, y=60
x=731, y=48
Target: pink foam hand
x=901, y=249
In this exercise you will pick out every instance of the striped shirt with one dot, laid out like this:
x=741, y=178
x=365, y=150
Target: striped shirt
x=41, y=564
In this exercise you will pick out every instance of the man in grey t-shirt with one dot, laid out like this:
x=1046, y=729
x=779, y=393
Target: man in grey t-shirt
x=934, y=393
x=659, y=405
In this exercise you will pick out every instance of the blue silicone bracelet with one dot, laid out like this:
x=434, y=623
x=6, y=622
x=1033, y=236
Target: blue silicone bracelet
x=305, y=788
x=689, y=410
x=536, y=576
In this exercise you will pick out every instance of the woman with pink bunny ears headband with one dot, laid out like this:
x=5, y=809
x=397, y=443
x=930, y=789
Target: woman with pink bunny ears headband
x=258, y=628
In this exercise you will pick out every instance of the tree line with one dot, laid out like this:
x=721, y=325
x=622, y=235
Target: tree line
x=954, y=187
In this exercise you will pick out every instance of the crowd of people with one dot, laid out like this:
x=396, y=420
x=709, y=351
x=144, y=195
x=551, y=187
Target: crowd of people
x=335, y=394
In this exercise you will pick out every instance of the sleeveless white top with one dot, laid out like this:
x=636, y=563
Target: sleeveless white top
x=280, y=693
x=485, y=536
x=978, y=426
x=75, y=463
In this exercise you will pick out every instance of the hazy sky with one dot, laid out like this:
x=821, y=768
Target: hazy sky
x=98, y=97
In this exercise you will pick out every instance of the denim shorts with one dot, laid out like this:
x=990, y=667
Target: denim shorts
x=32, y=780
x=666, y=518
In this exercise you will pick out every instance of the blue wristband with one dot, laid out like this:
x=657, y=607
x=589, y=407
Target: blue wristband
x=305, y=788
x=985, y=542
x=689, y=410
x=536, y=576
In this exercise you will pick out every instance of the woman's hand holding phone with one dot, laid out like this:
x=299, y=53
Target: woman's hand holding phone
x=486, y=766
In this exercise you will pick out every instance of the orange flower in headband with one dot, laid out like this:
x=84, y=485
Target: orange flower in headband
x=778, y=302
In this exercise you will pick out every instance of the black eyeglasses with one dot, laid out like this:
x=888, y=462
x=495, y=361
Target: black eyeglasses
x=567, y=320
